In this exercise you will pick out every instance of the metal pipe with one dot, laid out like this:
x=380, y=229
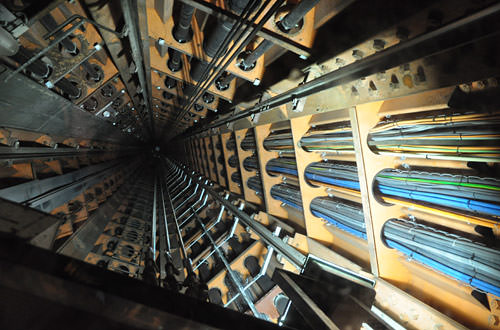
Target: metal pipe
x=245, y=42
x=50, y=24
x=187, y=199
x=262, y=272
x=287, y=23
x=291, y=254
x=223, y=82
x=183, y=190
x=216, y=38
x=62, y=36
x=228, y=237
x=231, y=273
x=174, y=177
x=182, y=30
x=179, y=185
x=153, y=226
x=187, y=261
x=39, y=68
x=68, y=88
x=219, y=52
x=167, y=234
x=249, y=61
x=177, y=179
x=174, y=62
x=219, y=217
x=297, y=13
x=202, y=206
x=197, y=69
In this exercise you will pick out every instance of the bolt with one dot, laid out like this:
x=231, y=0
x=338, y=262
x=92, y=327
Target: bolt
x=378, y=44
x=481, y=84
x=256, y=82
x=354, y=91
x=340, y=62
x=420, y=76
x=357, y=54
x=466, y=88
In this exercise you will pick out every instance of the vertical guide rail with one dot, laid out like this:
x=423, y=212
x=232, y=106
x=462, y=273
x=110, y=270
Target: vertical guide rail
x=167, y=234
x=130, y=20
x=153, y=226
x=187, y=261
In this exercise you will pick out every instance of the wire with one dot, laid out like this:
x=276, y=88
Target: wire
x=454, y=255
x=288, y=194
x=437, y=133
x=460, y=193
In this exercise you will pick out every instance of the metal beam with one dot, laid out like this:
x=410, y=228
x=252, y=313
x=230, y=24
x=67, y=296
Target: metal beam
x=133, y=35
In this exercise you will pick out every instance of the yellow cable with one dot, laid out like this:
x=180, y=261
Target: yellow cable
x=450, y=215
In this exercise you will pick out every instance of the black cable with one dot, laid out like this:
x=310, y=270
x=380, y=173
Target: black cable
x=246, y=12
x=247, y=40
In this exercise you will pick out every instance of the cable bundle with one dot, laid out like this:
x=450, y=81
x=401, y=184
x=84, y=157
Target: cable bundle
x=282, y=165
x=251, y=163
x=254, y=183
x=233, y=161
x=336, y=137
x=343, y=214
x=461, y=193
x=453, y=135
x=231, y=143
x=453, y=255
x=279, y=141
x=248, y=142
x=236, y=177
x=343, y=175
x=288, y=194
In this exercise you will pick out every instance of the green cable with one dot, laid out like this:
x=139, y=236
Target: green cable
x=472, y=185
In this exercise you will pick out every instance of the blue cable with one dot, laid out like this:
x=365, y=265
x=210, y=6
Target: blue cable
x=447, y=197
x=348, y=229
x=281, y=170
x=482, y=285
x=335, y=182
x=450, y=201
